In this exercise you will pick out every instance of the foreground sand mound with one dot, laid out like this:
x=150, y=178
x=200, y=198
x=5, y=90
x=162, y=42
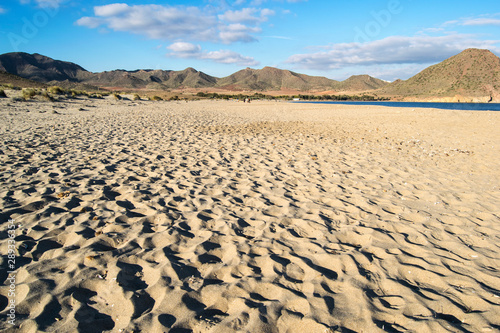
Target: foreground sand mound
x=262, y=217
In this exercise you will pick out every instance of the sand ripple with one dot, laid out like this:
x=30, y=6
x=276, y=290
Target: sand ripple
x=269, y=217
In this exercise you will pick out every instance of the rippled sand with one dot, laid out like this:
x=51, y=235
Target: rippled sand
x=263, y=217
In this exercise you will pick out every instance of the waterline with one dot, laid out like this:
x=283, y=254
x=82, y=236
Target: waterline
x=446, y=106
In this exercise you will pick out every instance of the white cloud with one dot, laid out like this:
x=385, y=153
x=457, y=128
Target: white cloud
x=267, y=12
x=482, y=21
x=192, y=51
x=390, y=51
x=246, y=15
x=237, y=32
x=2, y=10
x=178, y=22
x=185, y=50
x=489, y=19
x=279, y=37
x=90, y=22
x=230, y=57
x=154, y=21
x=111, y=10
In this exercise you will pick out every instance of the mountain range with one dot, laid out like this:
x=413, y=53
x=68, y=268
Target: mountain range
x=43, y=69
x=472, y=75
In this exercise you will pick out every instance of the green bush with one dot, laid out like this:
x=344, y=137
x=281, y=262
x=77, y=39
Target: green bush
x=46, y=96
x=137, y=97
x=75, y=93
x=56, y=90
x=117, y=97
x=29, y=94
x=156, y=98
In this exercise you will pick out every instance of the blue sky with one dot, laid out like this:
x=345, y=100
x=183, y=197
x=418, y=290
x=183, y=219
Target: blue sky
x=388, y=39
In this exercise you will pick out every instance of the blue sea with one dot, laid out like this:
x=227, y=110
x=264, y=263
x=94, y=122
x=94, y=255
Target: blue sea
x=447, y=106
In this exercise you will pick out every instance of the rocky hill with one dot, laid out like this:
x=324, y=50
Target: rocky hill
x=270, y=78
x=47, y=70
x=152, y=79
x=40, y=68
x=361, y=83
x=472, y=75
x=43, y=69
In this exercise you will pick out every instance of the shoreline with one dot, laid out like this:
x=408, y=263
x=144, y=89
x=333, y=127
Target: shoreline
x=464, y=106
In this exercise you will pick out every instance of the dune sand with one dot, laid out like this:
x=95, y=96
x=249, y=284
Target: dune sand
x=265, y=217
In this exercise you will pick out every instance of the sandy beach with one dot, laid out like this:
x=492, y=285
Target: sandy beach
x=223, y=216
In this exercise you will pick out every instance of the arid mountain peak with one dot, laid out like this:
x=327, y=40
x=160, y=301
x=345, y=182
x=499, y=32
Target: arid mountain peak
x=471, y=73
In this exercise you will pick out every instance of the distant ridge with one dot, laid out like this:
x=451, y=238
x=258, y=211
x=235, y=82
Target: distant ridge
x=152, y=79
x=472, y=75
x=361, y=83
x=47, y=70
x=270, y=78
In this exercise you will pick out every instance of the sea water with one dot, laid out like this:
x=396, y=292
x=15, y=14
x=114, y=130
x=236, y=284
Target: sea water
x=447, y=106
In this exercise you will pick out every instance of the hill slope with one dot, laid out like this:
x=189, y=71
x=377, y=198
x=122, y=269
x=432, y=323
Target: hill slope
x=473, y=73
x=43, y=69
x=151, y=79
x=17, y=81
x=361, y=83
x=47, y=70
x=40, y=68
x=270, y=78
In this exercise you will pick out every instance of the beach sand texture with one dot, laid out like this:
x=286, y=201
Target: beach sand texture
x=217, y=216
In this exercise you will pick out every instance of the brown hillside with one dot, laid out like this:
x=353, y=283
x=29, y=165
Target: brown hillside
x=473, y=73
x=40, y=68
x=270, y=78
x=361, y=83
x=47, y=70
x=152, y=79
x=17, y=81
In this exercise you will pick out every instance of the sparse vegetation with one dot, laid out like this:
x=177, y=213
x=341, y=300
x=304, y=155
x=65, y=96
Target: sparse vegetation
x=47, y=97
x=56, y=90
x=156, y=98
x=29, y=94
x=75, y=93
x=136, y=97
x=2, y=94
x=303, y=97
x=117, y=96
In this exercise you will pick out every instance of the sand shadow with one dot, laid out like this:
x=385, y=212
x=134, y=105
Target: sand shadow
x=129, y=277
